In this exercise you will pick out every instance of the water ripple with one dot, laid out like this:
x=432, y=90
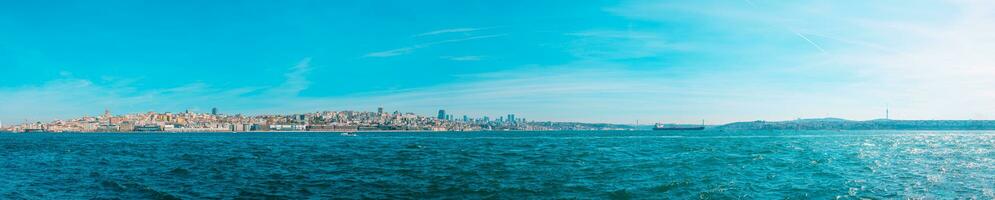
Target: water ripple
x=501, y=165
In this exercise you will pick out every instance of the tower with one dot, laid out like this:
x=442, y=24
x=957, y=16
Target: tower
x=442, y=114
x=107, y=116
x=214, y=111
x=887, y=114
x=380, y=110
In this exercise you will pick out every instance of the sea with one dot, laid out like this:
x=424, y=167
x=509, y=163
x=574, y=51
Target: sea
x=501, y=165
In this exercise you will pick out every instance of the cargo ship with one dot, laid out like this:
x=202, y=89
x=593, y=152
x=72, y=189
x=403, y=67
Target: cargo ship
x=661, y=127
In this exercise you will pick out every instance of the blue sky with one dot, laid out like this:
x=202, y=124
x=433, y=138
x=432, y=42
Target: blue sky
x=589, y=61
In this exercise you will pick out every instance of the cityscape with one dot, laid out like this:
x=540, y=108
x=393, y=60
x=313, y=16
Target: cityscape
x=323, y=121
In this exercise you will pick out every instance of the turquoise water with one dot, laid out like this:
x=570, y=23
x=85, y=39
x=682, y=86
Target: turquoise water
x=503, y=165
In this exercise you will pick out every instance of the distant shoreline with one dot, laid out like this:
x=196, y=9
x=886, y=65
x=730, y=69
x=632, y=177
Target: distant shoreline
x=509, y=131
x=366, y=131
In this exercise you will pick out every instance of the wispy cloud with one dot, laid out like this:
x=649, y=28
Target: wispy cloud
x=452, y=30
x=463, y=58
x=732, y=62
x=296, y=79
x=393, y=52
x=912, y=59
x=627, y=44
x=410, y=49
x=71, y=97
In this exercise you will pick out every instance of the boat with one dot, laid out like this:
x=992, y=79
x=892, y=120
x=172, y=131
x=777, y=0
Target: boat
x=661, y=127
x=34, y=130
x=348, y=134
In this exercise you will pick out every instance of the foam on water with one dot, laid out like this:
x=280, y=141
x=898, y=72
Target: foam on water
x=507, y=165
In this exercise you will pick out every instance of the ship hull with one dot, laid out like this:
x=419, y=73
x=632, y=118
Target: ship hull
x=679, y=129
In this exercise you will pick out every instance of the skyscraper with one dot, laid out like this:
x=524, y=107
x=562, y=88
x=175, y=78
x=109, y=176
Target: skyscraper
x=214, y=111
x=442, y=114
x=380, y=110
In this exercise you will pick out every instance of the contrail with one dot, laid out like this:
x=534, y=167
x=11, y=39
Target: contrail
x=809, y=41
x=793, y=31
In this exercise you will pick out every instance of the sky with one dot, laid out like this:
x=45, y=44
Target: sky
x=586, y=61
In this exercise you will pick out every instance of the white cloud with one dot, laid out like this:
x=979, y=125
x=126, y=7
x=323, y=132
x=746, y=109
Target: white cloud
x=939, y=68
x=393, y=52
x=295, y=80
x=926, y=60
x=452, y=30
x=72, y=97
x=463, y=58
x=410, y=49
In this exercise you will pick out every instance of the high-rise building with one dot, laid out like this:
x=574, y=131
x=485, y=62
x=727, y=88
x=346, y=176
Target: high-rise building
x=214, y=111
x=511, y=117
x=442, y=114
x=380, y=110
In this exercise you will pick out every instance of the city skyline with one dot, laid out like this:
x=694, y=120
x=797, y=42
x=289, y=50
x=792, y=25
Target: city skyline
x=315, y=121
x=648, y=61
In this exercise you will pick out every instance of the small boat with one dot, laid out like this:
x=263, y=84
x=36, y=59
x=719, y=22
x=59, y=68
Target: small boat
x=348, y=134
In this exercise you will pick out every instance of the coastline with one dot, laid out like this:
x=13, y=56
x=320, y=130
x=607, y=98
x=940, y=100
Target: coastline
x=363, y=131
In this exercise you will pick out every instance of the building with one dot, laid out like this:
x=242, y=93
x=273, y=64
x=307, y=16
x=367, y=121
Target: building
x=146, y=128
x=214, y=111
x=291, y=127
x=333, y=128
x=380, y=110
x=442, y=114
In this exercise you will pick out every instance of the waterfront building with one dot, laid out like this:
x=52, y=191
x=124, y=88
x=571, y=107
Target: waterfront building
x=108, y=128
x=292, y=127
x=145, y=128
